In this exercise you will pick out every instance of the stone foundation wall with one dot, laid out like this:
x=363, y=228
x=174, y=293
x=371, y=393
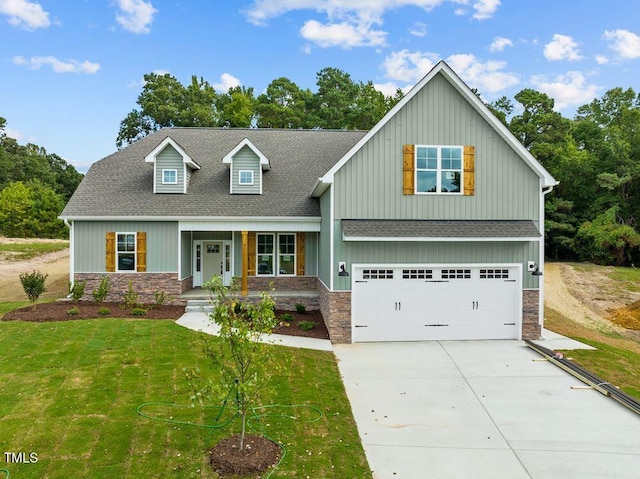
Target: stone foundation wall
x=336, y=311
x=288, y=303
x=531, y=328
x=145, y=284
x=282, y=283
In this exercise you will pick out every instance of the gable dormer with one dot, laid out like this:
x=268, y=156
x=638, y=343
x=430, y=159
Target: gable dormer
x=246, y=164
x=172, y=167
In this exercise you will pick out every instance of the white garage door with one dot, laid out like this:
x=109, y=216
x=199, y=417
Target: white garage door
x=429, y=302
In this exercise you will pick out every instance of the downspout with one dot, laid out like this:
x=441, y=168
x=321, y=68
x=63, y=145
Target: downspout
x=71, y=250
x=545, y=191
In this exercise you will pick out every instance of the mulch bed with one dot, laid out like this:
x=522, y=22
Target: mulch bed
x=59, y=311
x=259, y=453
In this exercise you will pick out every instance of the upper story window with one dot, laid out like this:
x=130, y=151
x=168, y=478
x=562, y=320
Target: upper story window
x=245, y=177
x=438, y=169
x=170, y=177
x=125, y=252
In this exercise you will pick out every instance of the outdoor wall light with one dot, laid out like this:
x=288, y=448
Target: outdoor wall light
x=536, y=270
x=342, y=269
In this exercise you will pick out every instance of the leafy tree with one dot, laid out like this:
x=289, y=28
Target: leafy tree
x=335, y=100
x=33, y=285
x=15, y=206
x=283, y=105
x=245, y=363
x=236, y=107
x=30, y=210
x=369, y=108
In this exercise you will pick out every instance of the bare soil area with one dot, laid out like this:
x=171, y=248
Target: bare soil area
x=55, y=264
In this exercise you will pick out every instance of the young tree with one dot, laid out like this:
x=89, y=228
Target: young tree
x=243, y=361
x=33, y=285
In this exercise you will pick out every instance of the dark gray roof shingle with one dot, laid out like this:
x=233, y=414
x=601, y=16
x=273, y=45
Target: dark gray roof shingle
x=490, y=229
x=122, y=184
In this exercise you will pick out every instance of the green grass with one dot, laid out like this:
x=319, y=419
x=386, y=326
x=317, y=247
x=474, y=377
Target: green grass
x=628, y=277
x=22, y=251
x=5, y=307
x=69, y=392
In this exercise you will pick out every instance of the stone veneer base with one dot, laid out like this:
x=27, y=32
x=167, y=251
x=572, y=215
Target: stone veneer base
x=145, y=284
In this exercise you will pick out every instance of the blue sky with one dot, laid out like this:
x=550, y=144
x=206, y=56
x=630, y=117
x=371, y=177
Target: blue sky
x=71, y=70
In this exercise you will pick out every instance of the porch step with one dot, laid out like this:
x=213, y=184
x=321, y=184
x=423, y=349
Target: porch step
x=199, y=305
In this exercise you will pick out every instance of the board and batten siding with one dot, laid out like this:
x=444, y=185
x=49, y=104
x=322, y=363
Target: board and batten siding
x=324, y=244
x=170, y=159
x=370, y=185
x=90, y=244
x=246, y=159
x=484, y=252
x=185, y=255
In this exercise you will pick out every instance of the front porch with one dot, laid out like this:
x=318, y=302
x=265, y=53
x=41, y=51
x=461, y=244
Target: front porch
x=197, y=298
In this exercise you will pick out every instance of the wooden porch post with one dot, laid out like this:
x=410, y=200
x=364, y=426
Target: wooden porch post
x=245, y=263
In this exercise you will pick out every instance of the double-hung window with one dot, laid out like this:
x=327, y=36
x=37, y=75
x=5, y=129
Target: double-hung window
x=126, y=251
x=438, y=169
x=170, y=177
x=276, y=254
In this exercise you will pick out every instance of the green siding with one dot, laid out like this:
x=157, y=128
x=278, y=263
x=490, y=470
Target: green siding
x=324, y=245
x=90, y=244
x=186, y=261
x=246, y=159
x=311, y=254
x=169, y=158
x=370, y=184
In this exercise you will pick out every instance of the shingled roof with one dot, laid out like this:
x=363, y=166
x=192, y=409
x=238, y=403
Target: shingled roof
x=121, y=185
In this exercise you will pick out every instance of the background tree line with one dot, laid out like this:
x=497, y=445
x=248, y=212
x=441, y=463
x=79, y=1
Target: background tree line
x=34, y=187
x=590, y=216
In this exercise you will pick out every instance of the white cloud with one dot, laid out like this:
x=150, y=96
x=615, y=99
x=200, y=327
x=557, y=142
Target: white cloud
x=351, y=23
x=226, y=81
x=344, y=34
x=624, y=43
x=499, y=44
x=419, y=29
x=485, y=9
x=601, y=60
x=407, y=66
x=306, y=48
x=488, y=77
x=562, y=47
x=570, y=89
x=25, y=14
x=19, y=136
x=58, y=66
x=135, y=16
x=141, y=83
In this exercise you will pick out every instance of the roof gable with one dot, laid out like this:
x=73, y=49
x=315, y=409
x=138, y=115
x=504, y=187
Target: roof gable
x=445, y=70
x=264, y=161
x=168, y=141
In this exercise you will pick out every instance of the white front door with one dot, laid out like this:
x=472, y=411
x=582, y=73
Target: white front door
x=436, y=302
x=211, y=258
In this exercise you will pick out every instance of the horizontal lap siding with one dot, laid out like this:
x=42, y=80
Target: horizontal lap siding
x=90, y=244
x=170, y=159
x=246, y=159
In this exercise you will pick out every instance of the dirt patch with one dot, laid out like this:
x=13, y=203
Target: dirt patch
x=258, y=455
x=628, y=316
x=55, y=264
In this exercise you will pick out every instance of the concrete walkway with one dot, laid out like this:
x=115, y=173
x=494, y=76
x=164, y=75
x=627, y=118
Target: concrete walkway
x=482, y=409
x=199, y=321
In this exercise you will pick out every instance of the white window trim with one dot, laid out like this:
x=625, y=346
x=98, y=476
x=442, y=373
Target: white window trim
x=276, y=254
x=242, y=183
x=167, y=170
x=438, y=171
x=135, y=252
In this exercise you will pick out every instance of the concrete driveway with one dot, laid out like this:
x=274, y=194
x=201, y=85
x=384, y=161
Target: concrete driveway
x=482, y=409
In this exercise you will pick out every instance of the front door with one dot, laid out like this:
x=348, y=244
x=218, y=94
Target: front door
x=213, y=260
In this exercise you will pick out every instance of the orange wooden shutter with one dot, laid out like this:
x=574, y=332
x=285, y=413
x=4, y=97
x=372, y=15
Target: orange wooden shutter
x=408, y=169
x=469, y=170
x=251, y=271
x=141, y=251
x=300, y=237
x=111, y=251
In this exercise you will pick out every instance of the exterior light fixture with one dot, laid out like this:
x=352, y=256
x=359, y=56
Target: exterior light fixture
x=536, y=270
x=342, y=269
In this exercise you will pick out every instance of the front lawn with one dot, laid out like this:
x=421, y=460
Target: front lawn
x=69, y=393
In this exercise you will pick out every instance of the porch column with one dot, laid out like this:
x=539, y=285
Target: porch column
x=245, y=263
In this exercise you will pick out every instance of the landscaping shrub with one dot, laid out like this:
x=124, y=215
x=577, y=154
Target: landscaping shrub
x=33, y=285
x=104, y=311
x=100, y=293
x=138, y=311
x=286, y=317
x=76, y=290
x=131, y=297
x=306, y=325
x=74, y=311
x=160, y=297
x=301, y=308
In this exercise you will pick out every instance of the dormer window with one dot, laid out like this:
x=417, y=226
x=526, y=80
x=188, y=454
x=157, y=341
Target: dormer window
x=172, y=167
x=169, y=177
x=245, y=177
x=246, y=165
